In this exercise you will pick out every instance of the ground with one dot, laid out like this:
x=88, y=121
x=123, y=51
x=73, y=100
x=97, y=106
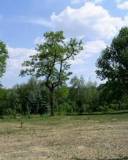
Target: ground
x=65, y=138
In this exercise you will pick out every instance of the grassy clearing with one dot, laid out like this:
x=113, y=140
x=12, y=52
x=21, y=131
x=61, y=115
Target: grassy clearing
x=100, y=137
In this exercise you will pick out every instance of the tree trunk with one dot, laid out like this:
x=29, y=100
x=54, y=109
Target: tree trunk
x=52, y=102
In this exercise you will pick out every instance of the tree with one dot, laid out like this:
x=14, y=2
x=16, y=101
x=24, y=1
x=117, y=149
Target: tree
x=113, y=63
x=31, y=97
x=77, y=94
x=84, y=96
x=3, y=58
x=52, y=61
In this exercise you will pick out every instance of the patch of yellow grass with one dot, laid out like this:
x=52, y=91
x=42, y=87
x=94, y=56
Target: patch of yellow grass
x=90, y=140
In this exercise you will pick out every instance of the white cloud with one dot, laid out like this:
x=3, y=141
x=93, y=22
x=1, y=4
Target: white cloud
x=91, y=48
x=90, y=20
x=81, y=1
x=39, y=40
x=95, y=46
x=16, y=57
x=123, y=5
x=14, y=65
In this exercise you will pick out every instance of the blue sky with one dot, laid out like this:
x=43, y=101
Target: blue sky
x=22, y=24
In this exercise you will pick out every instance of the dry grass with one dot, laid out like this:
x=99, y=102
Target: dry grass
x=65, y=138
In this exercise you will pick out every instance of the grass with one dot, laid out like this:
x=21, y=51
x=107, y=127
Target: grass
x=90, y=137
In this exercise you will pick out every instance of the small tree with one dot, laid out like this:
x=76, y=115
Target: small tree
x=52, y=61
x=3, y=58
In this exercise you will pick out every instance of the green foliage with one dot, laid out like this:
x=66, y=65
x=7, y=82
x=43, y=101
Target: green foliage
x=64, y=108
x=52, y=61
x=51, y=65
x=84, y=96
x=112, y=66
x=3, y=97
x=3, y=57
x=113, y=63
x=32, y=97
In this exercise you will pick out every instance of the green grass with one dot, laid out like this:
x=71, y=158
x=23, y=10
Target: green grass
x=56, y=120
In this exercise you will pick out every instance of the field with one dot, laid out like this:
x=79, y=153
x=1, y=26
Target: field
x=100, y=137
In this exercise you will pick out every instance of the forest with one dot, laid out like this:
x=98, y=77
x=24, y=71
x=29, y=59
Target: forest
x=53, y=90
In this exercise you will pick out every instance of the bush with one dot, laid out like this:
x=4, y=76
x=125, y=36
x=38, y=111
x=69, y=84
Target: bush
x=104, y=108
x=64, y=108
x=114, y=106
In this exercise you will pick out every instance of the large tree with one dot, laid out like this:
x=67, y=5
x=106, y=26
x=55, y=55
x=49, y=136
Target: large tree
x=113, y=63
x=3, y=58
x=52, y=61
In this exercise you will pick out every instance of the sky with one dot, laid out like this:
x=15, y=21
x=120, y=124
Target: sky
x=23, y=23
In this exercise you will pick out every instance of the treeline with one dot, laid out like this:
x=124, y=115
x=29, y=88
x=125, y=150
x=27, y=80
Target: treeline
x=79, y=97
x=52, y=95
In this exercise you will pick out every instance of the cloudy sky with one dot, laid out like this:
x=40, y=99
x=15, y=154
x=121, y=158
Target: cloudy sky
x=22, y=24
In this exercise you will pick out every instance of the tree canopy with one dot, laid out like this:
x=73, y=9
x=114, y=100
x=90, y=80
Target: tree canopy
x=113, y=63
x=52, y=60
